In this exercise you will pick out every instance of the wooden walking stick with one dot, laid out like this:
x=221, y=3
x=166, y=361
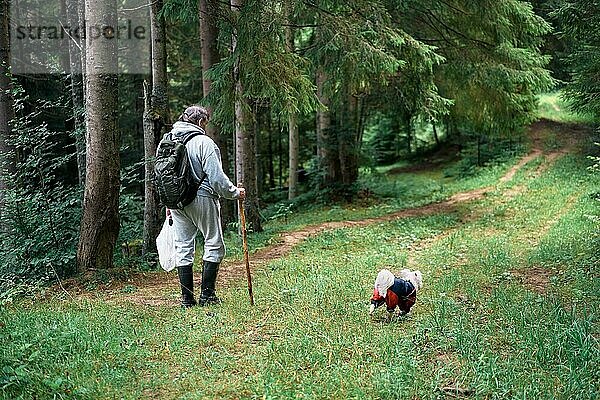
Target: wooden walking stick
x=245, y=243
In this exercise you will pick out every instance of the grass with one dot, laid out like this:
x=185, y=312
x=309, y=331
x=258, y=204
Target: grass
x=553, y=107
x=479, y=324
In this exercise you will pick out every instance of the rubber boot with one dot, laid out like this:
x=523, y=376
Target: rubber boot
x=186, y=281
x=209, y=277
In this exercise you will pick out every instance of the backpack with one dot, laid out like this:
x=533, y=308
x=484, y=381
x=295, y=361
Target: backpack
x=173, y=176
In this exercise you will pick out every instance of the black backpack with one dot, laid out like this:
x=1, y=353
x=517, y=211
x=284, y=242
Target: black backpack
x=173, y=176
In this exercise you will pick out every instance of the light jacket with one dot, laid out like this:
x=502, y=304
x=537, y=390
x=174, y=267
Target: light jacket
x=205, y=159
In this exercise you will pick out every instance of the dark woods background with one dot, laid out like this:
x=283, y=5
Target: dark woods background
x=324, y=89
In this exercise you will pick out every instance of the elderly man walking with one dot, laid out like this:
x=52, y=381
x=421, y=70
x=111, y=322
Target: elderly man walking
x=203, y=214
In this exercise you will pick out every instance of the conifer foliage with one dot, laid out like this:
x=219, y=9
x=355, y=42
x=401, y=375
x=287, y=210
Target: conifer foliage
x=579, y=21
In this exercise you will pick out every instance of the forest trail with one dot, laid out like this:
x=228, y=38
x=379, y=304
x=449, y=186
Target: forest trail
x=161, y=288
x=288, y=240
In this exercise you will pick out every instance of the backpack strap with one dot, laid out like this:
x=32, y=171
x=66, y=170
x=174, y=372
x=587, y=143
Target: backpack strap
x=186, y=139
x=183, y=139
x=191, y=135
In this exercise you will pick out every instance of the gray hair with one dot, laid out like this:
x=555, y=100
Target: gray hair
x=194, y=114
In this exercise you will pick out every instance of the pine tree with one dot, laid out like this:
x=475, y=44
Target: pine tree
x=579, y=21
x=493, y=67
x=74, y=9
x=156, y=119
x=353, y=48
x=264, y=72
x=245, y=155
x=209, y=12
x=100, y=220
x=7, y=156
x=294, y=140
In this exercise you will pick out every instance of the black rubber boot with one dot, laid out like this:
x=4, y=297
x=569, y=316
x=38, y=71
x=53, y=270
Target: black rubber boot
x=186, y=280
x=209, y=277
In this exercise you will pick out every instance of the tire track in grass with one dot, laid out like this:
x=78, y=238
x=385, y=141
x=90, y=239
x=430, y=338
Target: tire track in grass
x=505, y=196
x=289, y=240
x=478, y=212
x=535, y=278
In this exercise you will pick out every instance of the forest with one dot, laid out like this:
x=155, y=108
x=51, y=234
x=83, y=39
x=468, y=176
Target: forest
x=459, y=138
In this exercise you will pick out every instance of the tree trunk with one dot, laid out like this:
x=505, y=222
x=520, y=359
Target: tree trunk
x=244, y=139
x=7, y=155
x=64, y=58
x=409, y=134
x=240, y=120
x=327, y=150
x=160, y=103
x=82, y=50
x=156, y=115
x=270, y=159
x=347, y=142
x=152, y=209
x=280, y=153
x=77, y=93
x=435, y=134
x=294, y=147
x=246, y=159
x=362, y=118
x=100, y=220
x=260, y=177
x=209, y=33
x=250, y=180
x=293, y=142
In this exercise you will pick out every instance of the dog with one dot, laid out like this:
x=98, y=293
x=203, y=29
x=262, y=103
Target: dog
x=396, y=292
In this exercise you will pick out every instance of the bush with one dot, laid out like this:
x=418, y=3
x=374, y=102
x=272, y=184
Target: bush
x=40, y=218
x=489, y=154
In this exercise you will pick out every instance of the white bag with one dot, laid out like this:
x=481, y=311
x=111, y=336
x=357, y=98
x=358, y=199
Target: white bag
x=165, y=244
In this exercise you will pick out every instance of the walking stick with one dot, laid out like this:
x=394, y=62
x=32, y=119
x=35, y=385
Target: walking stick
x=245, y=242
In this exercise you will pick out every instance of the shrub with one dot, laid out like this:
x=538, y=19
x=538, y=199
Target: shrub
x=40, y=218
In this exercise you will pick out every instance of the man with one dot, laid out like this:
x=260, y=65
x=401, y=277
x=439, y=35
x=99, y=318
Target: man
x=203, y=213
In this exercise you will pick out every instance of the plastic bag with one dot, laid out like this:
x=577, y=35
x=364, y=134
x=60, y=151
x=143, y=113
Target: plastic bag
x=165, y=244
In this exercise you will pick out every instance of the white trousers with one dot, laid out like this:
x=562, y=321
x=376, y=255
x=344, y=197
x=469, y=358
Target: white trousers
x=202, y=215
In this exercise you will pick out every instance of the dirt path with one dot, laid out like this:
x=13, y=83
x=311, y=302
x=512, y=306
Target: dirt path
x=162, y=288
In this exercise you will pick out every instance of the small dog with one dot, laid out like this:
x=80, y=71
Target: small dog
x=395, y=291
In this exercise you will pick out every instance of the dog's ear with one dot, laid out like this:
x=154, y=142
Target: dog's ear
x=419, y=279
